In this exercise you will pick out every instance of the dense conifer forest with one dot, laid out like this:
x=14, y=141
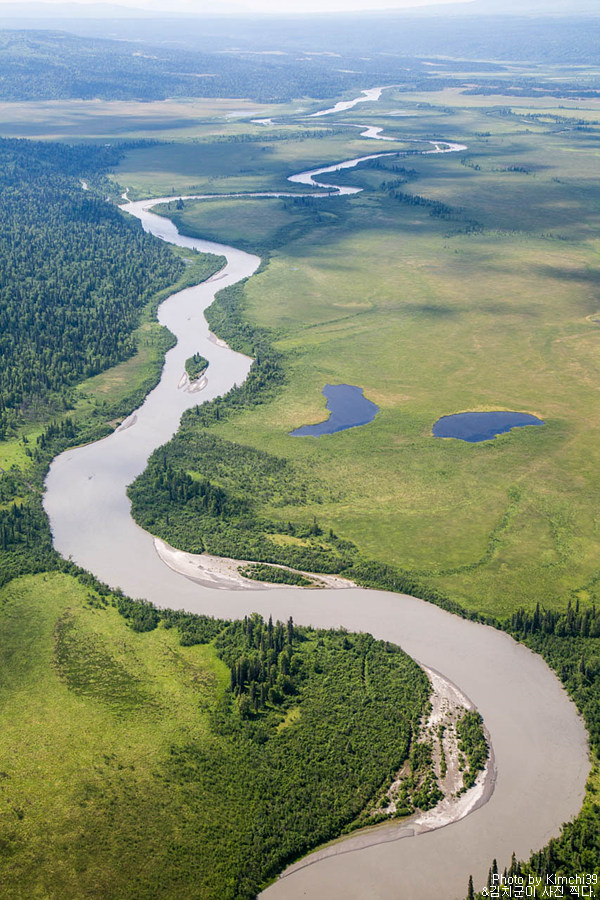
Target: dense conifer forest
x=74, y=275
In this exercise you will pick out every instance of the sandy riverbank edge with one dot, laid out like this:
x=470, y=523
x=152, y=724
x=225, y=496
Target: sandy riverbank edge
x=221, y=573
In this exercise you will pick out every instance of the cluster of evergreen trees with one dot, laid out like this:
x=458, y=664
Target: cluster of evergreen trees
x=435, y=208
x=195, y=366
x=569, y=641
x=25, y=539
x=473, y=745
x=575, y=852
x=266, y=670
x=21, y=527
x=575, y=621
x=274, y=575
x=196, y=514
x=61, y=432
x=177, y=488
x=309, y=761
x=314, y=723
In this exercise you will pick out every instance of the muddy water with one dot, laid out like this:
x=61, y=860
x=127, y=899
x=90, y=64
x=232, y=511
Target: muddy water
x=539, y=741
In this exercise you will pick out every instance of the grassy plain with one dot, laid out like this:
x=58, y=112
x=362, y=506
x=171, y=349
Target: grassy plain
x=221, y=167
x=84, y=734
x=122, y=119
x=431, y=317
x=256, y=224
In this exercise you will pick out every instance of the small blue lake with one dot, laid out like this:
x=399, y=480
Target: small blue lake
x=481, y=426
x=348, y=408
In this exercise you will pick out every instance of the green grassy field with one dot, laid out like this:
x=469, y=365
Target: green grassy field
x=225, y=167
x=89, y=712
x=432, y=319
x=123, y=119
x=258, y=225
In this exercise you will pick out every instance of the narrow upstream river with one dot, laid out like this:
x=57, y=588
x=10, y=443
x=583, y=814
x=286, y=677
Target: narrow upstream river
x=539, y=740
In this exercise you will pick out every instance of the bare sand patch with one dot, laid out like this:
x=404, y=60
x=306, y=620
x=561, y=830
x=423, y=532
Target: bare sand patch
x=222, y=573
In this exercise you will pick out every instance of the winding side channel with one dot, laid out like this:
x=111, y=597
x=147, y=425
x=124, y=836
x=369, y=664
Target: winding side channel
x=539, y=740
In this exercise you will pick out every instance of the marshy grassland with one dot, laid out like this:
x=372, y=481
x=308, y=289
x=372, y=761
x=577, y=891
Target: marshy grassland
x=484, y=299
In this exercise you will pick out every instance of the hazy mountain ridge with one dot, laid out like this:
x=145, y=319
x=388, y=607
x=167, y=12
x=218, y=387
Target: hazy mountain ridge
x=51, y=64
x=511, y=8
x=550, y=31
x=159, y=9
x=366, y=43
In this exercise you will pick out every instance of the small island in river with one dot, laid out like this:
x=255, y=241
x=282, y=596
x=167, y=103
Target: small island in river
x=196, y=366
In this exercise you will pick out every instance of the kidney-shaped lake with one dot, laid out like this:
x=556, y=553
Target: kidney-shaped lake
x=481, y=426
x=348, y=408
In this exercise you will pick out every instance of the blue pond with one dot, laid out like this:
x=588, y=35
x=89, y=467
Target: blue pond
x=481, y=426
x=348, y=408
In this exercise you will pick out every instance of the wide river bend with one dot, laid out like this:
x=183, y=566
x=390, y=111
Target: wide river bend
x=539, y=740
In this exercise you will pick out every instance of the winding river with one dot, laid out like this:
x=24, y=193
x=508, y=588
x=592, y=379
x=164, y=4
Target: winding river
x=538, y=738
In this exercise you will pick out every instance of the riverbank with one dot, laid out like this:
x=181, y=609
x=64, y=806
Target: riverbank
x=221, y=573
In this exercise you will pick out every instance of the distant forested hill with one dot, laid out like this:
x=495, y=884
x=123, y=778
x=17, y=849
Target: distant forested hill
x=273, y=63
x=335, y=42
x=38, y=65
x=74, y=274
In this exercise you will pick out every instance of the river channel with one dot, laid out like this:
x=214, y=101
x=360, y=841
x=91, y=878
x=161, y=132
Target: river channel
x=539, y=740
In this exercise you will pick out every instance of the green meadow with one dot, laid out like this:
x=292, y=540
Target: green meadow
x=206, y=166
x=123, y=119
x=89, y=708
x=255, y=224
x=491, y=305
